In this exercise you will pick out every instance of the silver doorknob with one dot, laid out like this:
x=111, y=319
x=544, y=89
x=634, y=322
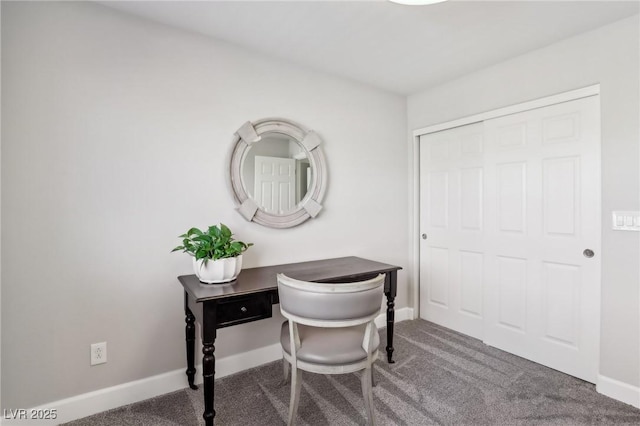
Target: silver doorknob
x=588, y=253
x=424, y=236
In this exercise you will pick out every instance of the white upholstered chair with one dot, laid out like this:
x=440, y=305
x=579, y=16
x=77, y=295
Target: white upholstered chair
x=330, y=330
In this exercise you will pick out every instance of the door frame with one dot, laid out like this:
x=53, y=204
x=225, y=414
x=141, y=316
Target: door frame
x=571, y=95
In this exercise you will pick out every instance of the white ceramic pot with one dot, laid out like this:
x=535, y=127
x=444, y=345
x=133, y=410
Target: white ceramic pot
x=217, y=271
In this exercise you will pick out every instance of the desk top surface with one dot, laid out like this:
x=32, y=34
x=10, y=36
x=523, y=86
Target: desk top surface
x=252, y=280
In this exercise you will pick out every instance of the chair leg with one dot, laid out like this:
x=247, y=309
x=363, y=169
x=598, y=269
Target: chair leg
x=296, y=382
x=368, y=395
x=373, y=377
x=285, y=369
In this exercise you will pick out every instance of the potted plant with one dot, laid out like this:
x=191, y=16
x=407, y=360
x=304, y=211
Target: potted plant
x=217, y=257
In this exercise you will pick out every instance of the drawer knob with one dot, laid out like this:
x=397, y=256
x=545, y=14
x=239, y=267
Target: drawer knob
x=243, y=309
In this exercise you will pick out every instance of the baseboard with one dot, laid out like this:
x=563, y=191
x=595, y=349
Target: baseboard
x=618, y=390
x=128, y=393
x=101, y=400
x=402, y=314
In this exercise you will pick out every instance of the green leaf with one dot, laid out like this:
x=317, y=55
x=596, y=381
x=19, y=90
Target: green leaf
x=204, y=238
x=214, y=231
x=225, y=230
x=194, y=231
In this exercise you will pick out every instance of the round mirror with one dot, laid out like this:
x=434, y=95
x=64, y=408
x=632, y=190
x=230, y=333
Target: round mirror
x=277, y=172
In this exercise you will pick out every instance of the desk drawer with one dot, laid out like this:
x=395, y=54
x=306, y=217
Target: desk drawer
x=240, y=309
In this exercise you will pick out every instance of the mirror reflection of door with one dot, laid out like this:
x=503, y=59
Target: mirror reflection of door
x=276, y=173
x=275, y=183
x=303, y=178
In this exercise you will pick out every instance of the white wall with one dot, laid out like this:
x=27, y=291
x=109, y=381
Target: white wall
x=115, y=139
x=609, y=56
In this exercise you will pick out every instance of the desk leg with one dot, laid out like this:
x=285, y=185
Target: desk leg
x=209, y=326
x=190, y=332
x=390, y=288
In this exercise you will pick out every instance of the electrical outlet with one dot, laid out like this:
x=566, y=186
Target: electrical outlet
x=98, y=353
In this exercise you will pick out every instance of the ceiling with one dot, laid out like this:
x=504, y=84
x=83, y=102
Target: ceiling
x=402, y=49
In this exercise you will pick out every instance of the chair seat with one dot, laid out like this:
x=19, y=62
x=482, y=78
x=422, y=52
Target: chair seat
x=329, y=346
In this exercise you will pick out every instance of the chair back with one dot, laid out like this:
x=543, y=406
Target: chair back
x=330, y=304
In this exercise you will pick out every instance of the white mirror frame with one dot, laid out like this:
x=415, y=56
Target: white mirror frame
x=250, y=133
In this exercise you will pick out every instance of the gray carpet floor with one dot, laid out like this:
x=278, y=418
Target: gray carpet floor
x=440, y=377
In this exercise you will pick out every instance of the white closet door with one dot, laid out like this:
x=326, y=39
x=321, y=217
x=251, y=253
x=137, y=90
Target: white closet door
x=452, y=220
x=543, y=203
x=508, y=208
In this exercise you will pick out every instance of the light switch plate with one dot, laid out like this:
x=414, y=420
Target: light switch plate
x=626, y=220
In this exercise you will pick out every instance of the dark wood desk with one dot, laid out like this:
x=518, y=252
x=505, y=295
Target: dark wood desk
x=249, y=298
